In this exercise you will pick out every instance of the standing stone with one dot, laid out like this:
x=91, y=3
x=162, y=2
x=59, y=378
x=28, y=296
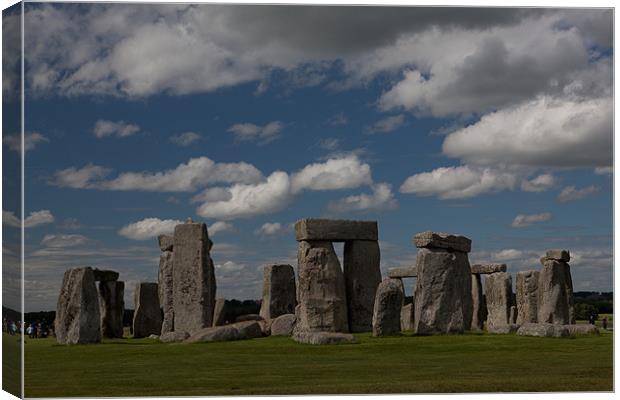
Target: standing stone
x=527, y=297
x=278, y=291
x=498, y=290
x=147, y=314
x=166, y=242
x=388, y=304
x=479, y=310
x=112, y=307
x=407, y=317
x=443, y=302
x=513, y=315
x=219, y=312
x=78, y=318
x=555, y=293
x=321, y=288
x=362, y=275
x=193, y=278
x=166, y=290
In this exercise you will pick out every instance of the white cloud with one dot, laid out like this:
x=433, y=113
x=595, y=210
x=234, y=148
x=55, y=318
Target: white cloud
x=79, y=178
x=571, y=193
x=220, y=226
x=329, y=144
x=229, y=266
x=105, y=128
x=251, y=132
x=604, y=170
x=269, y=228
x=388, y=124
x=539, y=184
x=381, y=198
x=35, y=218
x=62, y=240
x=149, y=228
x=338, y=173
x=31, y=139
x=185, y=139
x=458, y=182
x=522, y=220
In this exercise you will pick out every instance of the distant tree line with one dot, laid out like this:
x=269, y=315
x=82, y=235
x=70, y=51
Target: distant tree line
x=593, y=303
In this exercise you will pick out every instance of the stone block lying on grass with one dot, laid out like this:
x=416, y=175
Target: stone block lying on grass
x=323, y=337
x=583, y=329
x=173, y=337
x=237, y=331
x=503, y=329
x=543, y=330
x=283, y=325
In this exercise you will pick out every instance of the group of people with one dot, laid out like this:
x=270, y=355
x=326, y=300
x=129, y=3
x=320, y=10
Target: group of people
x=592, y=320
x=11, y=327
x=36, y=329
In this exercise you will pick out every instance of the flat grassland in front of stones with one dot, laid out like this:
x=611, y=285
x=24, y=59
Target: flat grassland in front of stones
x=278, y=365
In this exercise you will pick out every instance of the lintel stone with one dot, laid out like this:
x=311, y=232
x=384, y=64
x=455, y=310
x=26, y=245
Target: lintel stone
x=487, y=268
x=440, y=240
x=335, y=230
x=403, y=272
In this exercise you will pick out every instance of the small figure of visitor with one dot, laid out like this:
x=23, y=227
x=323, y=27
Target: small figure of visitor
x=605, y=323
x=591, y=319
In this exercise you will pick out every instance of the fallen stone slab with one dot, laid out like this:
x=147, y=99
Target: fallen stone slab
x=171, y=337
x=543, y=330
x=154, y=337
x=214, y=334
x=388, y=304
x=335, y=230
x=558, y=255
x=582, y=329
x=362, y=275
x=402, y=272
x=283, y=325
x=166, y=242
x=323, y=337
x=487, y=268
x=503, y=329
x=249, y=329
x=102, y=275
x=439, y=240
x=279, y=291
x=249, y=317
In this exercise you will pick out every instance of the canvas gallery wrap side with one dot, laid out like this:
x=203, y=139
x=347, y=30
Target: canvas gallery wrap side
x=306, y=200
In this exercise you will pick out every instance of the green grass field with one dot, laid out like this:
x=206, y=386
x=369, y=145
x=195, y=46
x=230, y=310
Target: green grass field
x=11, y=364
x=278, y=365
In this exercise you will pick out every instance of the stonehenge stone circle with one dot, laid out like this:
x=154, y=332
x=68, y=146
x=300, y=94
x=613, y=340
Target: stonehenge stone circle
x=527, y=296
x=166, y=242
x=147, y=319
x=324, y=338
x=112, y=307
x=330, y=230
x=443, y=301
x=498, y=291
x=555, y=289
x=219, y=312
x=279, y=292
x=479, y=307
x=362, y=275
x=283, y=325
x=402, y=272
x=78, y=318
x=388, y=304
x=407, y=317
x=543, y=330
x=237, y=331
x=105, y=275
x=487, y=268
x=193, y=278
x=166, y=290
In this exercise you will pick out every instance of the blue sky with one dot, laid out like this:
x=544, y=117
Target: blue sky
x=495, y=124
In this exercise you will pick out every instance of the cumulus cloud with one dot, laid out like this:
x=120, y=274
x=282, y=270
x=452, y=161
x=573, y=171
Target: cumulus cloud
x=539, y=184
x=387, y=124
x=149, y=228
x=251, y=132
x=185, y=139
x=571, y=193
x=604, y=170
x=220, y=226
x=62, y=240
x=522, y=220
x=329, y=144
x=381, y=198
x=229, y=266
x=458, y=182
x=31, y=139
x=105, y=128
x=79, y=178
x=269, y=229
x=338, y=173
x=35, y=218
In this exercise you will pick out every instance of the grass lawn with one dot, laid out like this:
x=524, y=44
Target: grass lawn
x=278, y=365
x=11, y=364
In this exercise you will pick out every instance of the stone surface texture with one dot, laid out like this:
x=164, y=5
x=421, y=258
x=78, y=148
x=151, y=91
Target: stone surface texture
x=438, y=240
x=166, y=242
x=555, y=293
x=279, y=292
x=582, y=329
x=237, y=331
x=219, y=312
x=388, y=304
x=407, y=317
x=283, y=325
x=335, y=230
x=112, y=307
x=147, y=319
x=170, y=337
x=543, y=330
x=487, y=268
x=402, y=272
x=498, y=292
x=479, y=307
x=558, y=255
x=323, y=337
x=527, y=296
x=166, y=287
x=503, y=329
x=104, y=275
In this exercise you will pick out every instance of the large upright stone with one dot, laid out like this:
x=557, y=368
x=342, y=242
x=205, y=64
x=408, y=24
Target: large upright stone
x=388, y=304
x=147, y=314
x=555, y=293
x=407, y=317
x=321, y=289
x=193, y=278
x=362, y=275
x=166, y=287
x=219, y=312
x=443, y=302
x=166, y=242
x=498, y=291
x=279, y=293
x=438, y=240
x=78, y=318
x=103, y=275
x=527, y=297
x=479, y=308
x=335, y=230
x=112, y=307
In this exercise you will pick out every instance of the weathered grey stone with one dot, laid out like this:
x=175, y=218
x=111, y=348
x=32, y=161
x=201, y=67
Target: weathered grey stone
x=582, y=329
x=147, y=319
x=249, y=317
x=321, y=289
x=214, y=334
x=219, y=312
x=335, y=230
x=402, y=272
x=558, y=255
x=543, y=330
x=279, y=293
x=439, y=240
x=362, y=275
x=555, y=293
x=173, y=337
x=249, y=329
x=498, y=291
x=407, y=317
x=479, y=308
x=487, y=268
x=513, y=314
x=503, y=329
x=166, y=242
x=105, y=275
x=112, y=306
x=527, y=297
x=388, y=304
x=78, y=318
x=283, y=325
x=166, y=287
x=193, y=278
x=323, y=337
x=443, y=302
x=153, y=336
